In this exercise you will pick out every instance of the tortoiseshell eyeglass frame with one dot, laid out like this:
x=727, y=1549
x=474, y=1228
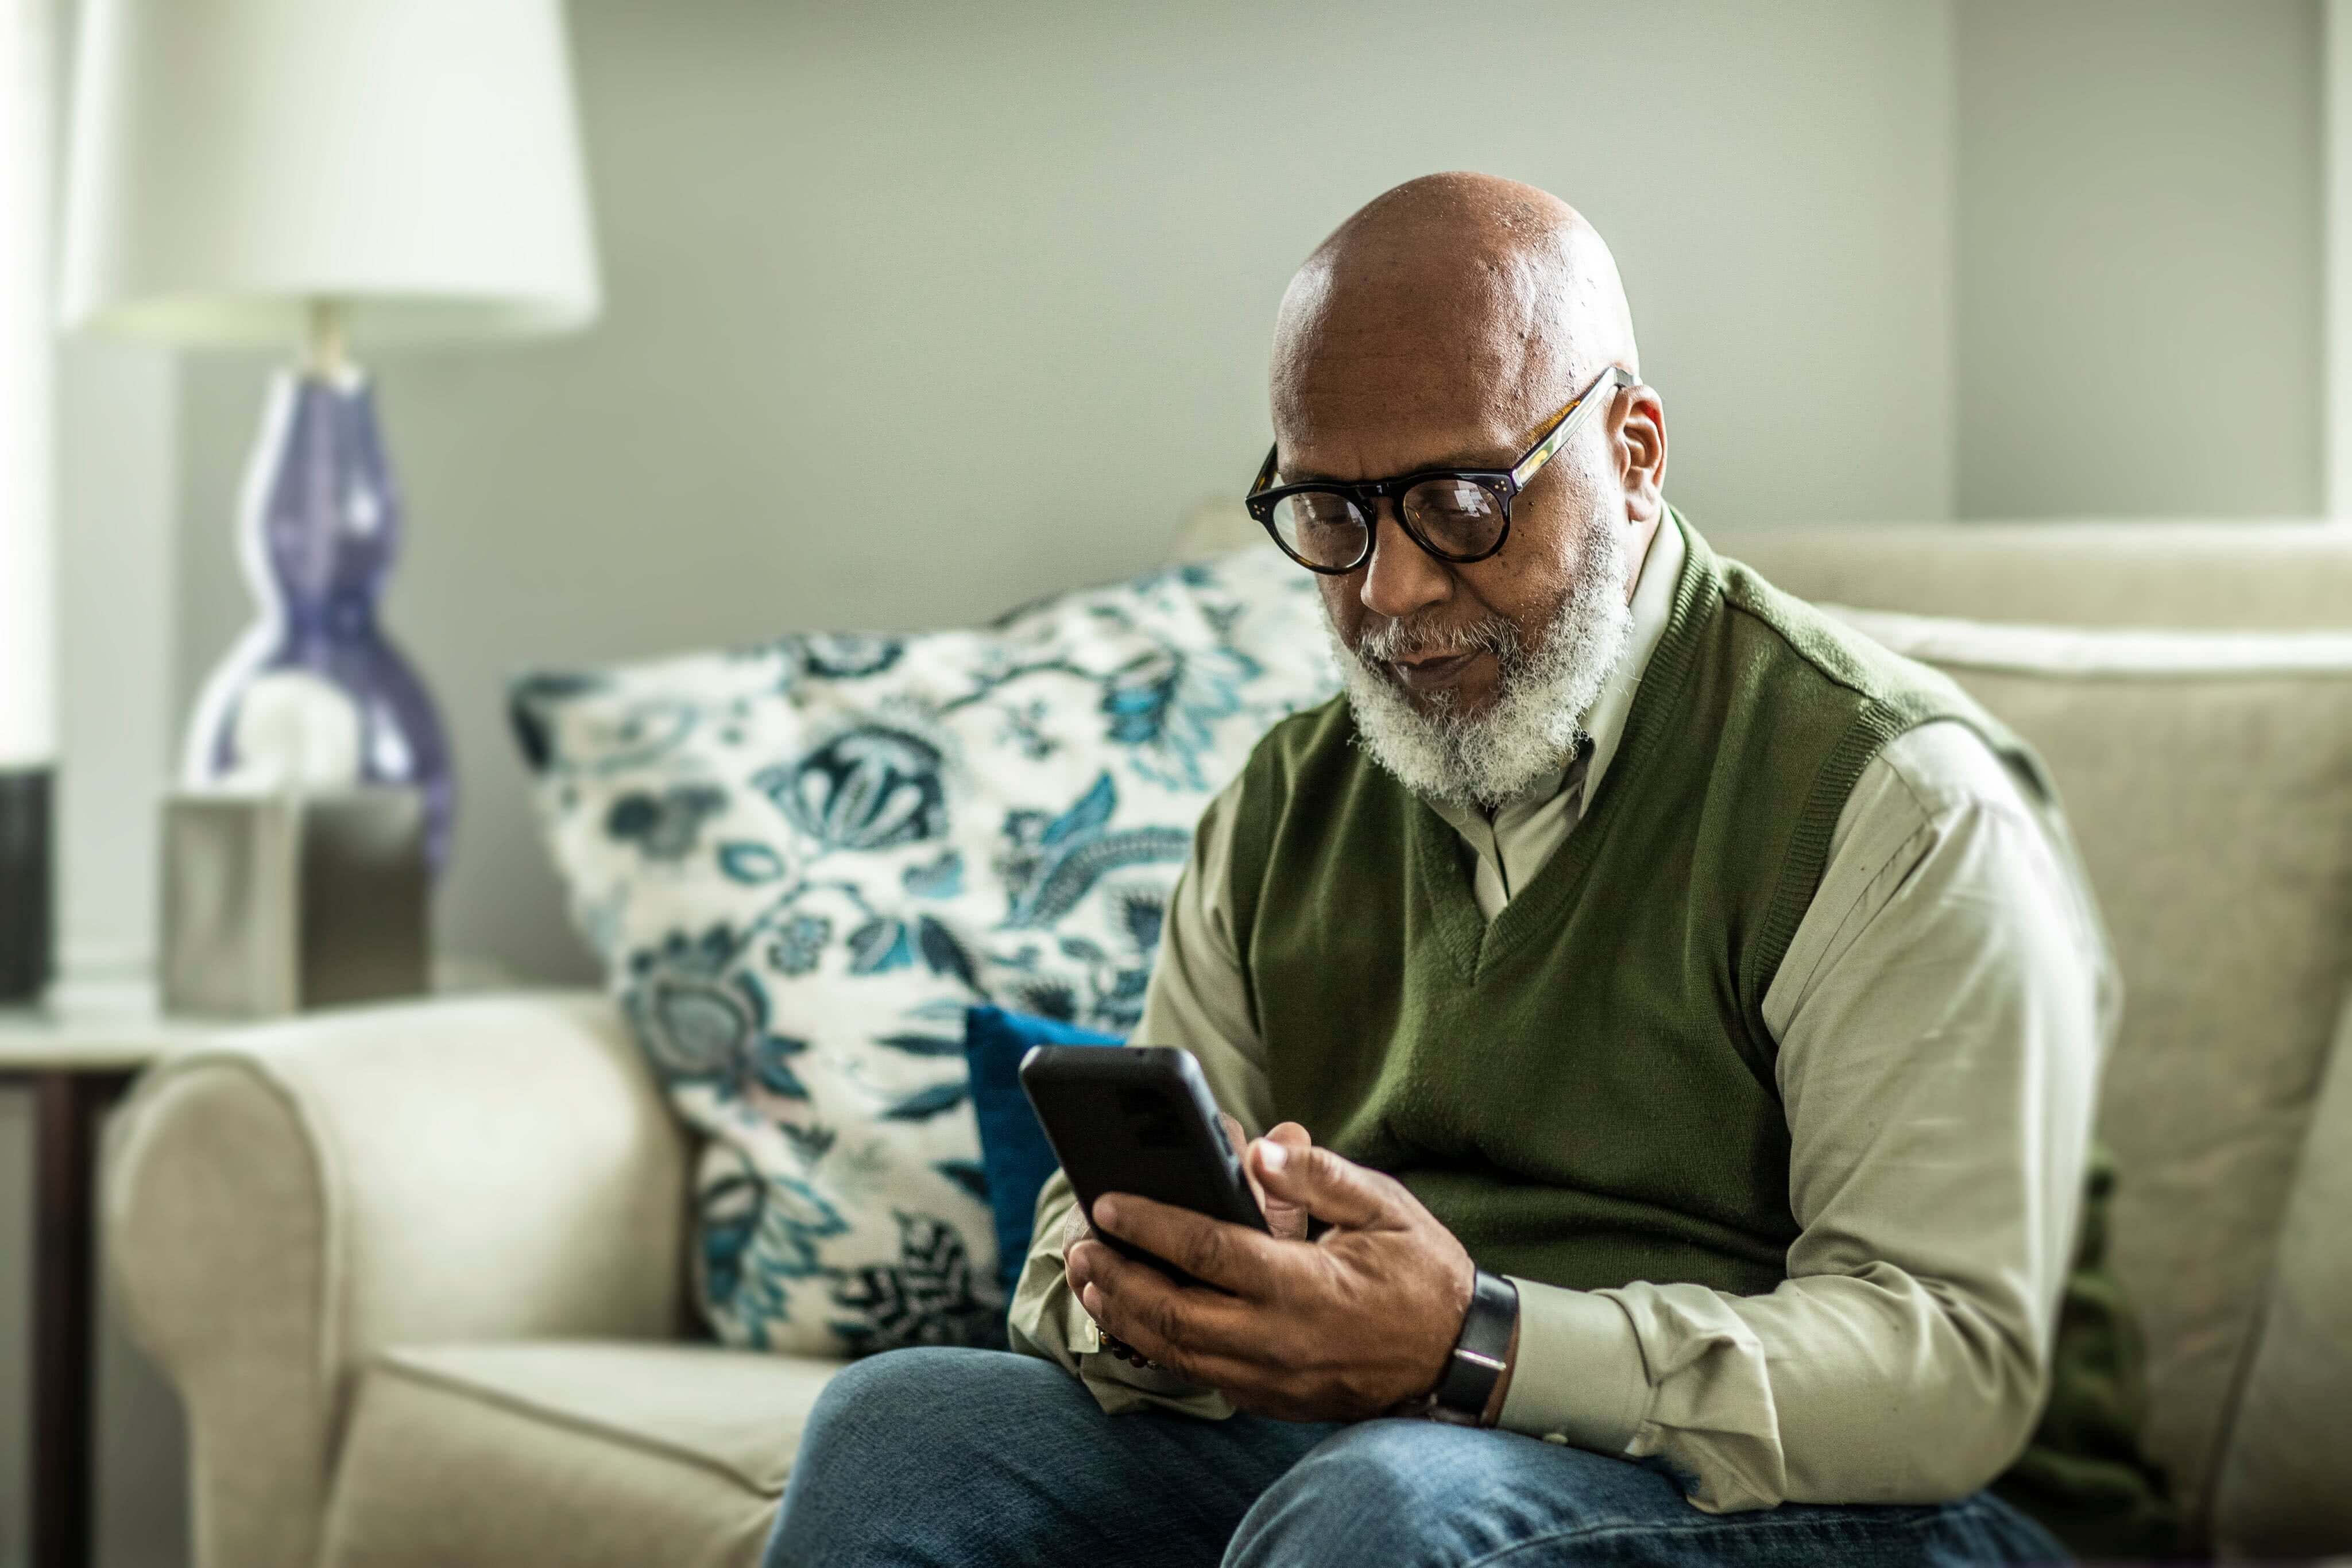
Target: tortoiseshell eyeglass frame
x=1503, y=483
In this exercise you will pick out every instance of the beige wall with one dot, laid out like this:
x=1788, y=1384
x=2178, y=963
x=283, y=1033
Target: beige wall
x=2139, y=282
x=918, y=310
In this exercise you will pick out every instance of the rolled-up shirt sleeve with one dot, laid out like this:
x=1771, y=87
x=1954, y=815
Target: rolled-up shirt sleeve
x=1941, y=1016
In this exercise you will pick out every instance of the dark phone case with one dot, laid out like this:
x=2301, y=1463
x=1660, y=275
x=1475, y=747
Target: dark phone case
x=1138, y=1120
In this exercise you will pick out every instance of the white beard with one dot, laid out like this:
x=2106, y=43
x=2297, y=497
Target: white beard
x=1530, y=729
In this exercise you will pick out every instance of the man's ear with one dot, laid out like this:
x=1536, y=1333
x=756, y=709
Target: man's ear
x=1639, y=440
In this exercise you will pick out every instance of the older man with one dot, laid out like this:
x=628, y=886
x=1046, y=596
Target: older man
x=1680, y=1016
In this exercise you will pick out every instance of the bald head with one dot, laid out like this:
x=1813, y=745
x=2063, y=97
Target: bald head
x=1444, y=327
x=1453, y=301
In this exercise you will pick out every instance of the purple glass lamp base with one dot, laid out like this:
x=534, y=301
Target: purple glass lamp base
x=314, y=694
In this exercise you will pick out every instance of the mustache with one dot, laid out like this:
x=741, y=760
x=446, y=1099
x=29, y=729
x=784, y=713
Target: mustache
x=1412, y=639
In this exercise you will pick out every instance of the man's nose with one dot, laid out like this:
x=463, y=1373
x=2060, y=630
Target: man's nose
x=1401, y=577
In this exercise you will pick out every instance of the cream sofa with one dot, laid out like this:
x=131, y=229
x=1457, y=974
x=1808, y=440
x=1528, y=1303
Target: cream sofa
x=418, y=1270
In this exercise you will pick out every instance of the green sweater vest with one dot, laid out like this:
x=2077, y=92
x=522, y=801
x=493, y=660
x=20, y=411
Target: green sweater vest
x=1583, y=1092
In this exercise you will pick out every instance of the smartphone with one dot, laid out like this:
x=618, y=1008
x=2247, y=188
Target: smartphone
x=1139, y=1120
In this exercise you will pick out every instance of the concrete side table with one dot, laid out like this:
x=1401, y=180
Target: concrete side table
x=78, y=1052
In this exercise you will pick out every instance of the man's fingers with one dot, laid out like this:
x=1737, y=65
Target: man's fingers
x=1238, y=1141
x=1211, y=1338
x=1211, y=1368
x=1234, y=1138
x=1079, y=1264
x=1231, y=1256
x=1285, y=1218
x=1291, y=1136
x=1075, y=1229
x=1335, y=1190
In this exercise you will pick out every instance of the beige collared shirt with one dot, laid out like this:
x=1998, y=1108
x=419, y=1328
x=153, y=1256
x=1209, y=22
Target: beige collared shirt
x=1940, y=1016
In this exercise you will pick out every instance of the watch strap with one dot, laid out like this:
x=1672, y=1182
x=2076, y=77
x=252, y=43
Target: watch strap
x=1480, y=1352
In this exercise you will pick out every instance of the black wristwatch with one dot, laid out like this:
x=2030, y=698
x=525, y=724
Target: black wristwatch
x=1481, y=1351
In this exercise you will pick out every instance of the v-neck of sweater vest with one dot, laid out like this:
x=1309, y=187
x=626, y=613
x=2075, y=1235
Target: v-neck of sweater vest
x=1477, y=944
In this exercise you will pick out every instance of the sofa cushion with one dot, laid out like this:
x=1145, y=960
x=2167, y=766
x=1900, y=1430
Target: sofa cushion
x=2209, y=779
x=576, y=1452
x=804, y=862
x=2281, y=1491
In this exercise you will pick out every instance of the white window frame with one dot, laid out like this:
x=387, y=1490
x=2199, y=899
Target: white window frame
x=28, y=397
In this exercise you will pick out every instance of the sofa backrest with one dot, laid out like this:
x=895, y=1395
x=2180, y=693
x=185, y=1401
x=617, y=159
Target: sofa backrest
x=2270, y=577
x=2209, y=779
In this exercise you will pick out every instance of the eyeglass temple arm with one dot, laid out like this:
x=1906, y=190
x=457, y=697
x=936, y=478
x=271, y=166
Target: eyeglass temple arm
x=1265, y=471
x=1571, y=419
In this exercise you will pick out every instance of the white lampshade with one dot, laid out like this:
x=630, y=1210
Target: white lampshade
x=416, y=162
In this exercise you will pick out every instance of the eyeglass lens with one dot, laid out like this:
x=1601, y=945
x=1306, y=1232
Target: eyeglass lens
x=1453, y=516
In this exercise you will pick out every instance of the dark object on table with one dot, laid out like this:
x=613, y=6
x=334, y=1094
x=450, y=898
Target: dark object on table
x=25, y=882
x=274, y=904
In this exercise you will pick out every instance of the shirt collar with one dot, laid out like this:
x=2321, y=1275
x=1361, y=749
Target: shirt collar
x=1660, y=570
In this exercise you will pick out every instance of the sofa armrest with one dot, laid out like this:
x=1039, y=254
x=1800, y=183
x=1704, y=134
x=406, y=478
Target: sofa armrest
x=283, y=1205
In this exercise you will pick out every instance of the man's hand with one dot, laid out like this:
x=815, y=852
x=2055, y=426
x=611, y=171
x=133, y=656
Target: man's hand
x=1339, y=1329
x=1285, y=1220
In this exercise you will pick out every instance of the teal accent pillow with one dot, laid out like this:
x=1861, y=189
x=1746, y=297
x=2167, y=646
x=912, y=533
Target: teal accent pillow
x=1013, y=1152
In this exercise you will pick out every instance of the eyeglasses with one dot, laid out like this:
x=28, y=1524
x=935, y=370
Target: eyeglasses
x=1459, y=514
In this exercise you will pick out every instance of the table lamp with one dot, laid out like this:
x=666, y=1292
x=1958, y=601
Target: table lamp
x=321, y=174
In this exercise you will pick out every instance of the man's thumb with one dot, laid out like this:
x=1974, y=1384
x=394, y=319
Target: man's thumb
x=1286, y=1221
x=1335, y=1191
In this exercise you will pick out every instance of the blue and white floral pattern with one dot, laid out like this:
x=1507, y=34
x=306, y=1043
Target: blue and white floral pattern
x=802, y=861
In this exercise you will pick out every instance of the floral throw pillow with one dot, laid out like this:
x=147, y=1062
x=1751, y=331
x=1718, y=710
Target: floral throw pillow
x=802, y=862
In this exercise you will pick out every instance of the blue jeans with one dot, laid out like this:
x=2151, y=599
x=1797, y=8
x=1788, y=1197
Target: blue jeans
x=967, y=1458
